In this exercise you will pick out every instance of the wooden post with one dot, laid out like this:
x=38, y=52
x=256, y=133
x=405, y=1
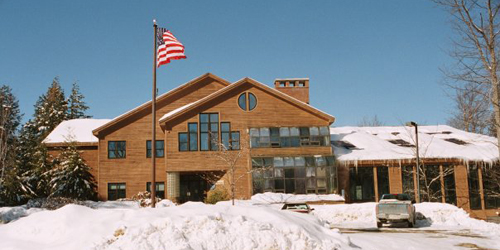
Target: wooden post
x=153, y=111
x=481, y=188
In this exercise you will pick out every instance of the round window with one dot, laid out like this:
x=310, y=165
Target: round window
x=247, y=101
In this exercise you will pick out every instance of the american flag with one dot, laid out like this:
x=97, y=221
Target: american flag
x=169, y=48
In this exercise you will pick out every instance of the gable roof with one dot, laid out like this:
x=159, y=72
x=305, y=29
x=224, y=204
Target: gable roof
x=176, y=113
x=356, y=144
x=164, y=96
x=78, y=130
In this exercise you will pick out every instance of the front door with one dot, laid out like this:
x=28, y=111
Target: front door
x=192, y=188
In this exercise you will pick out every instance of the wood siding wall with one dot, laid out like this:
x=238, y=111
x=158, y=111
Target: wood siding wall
x=269, y=112
x=135, y=169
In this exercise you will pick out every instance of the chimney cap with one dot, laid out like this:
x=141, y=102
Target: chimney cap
x=291, y=79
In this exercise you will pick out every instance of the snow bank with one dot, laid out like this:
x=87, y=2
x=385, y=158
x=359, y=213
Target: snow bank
x=446, y=215
x=347, y=215
x=269, y=198
x=8, y=214
x=189, y=226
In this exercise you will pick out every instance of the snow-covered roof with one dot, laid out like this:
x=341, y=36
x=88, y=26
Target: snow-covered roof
x=353, y=144
x=177, y=110
x=79, y=130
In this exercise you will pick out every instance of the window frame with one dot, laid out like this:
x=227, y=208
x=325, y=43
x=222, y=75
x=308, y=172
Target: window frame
x=210, y=134
x=149, y=151
x=117, y=192
x=116, y=150
x=148, y=188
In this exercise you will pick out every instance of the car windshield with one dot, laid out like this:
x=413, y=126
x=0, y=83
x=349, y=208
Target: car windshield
x=295, y=206
x=399, y=197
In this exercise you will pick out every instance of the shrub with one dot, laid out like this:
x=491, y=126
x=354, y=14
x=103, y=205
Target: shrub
x=216, y=195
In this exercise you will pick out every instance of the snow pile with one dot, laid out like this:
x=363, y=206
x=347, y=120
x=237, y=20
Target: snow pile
x=270, y=198
x=440, y=142
x=8, y=214
x=79, y=130
x=189, y=226
x=347, y=215
x=446, y=215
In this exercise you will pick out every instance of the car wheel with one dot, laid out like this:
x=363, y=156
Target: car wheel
x=379, y=224
x=410, y=224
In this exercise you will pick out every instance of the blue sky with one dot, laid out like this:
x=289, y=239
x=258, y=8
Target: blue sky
x=363, y=58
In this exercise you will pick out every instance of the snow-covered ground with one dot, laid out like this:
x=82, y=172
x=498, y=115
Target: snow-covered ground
x=254, y=224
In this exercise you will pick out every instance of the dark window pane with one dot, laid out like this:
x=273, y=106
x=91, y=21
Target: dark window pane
x=289, y=173
x=304, y=131
x=193, y=127
x=300, y=172
x=300, y=186
x=295, y=141
x=310, y=161
x=289, y=186
x=214, y=118
x=361, y=184
x=252, y=101
x=242, y=101
x=383, y=180
x=116, y=149
x=257, y=162
x=449, y=185
x=407, y=178
x=474, y=194
x=279, y=184
x=159, y=148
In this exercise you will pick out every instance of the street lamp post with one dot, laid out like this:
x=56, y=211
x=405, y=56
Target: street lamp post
x=414, y=124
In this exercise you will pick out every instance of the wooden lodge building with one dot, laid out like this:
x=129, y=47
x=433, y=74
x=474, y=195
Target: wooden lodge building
x=286, y=145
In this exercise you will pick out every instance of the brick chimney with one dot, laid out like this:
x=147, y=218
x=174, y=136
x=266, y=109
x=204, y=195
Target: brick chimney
x=297, y=88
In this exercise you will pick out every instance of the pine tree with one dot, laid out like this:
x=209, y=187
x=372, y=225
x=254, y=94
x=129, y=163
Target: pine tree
x=71, y=177
x=33, y=159
x=76, y=105
x=50, y=109
x=10, y=119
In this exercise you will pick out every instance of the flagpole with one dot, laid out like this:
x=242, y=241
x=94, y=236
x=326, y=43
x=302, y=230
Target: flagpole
x=153, y=111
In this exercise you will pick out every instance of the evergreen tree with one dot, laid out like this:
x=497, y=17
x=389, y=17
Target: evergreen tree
x=10, y=119
x=71, y=177
x=50, y=109
x=76, y=105
x=33, y=159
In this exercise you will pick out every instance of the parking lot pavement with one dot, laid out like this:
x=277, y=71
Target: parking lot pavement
x=388, y=238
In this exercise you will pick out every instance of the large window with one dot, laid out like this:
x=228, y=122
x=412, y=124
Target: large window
x=382, y=180
x=209, y=131
x=361, y=186
x=430, y=184
x=159, y=148
x=116, y=191
x=491, y=186
x=289, y=137
x=450, y=192
x=160, y=189
x=408, y=181
x=116, y=149
x=474, y=193
x=298, y=174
